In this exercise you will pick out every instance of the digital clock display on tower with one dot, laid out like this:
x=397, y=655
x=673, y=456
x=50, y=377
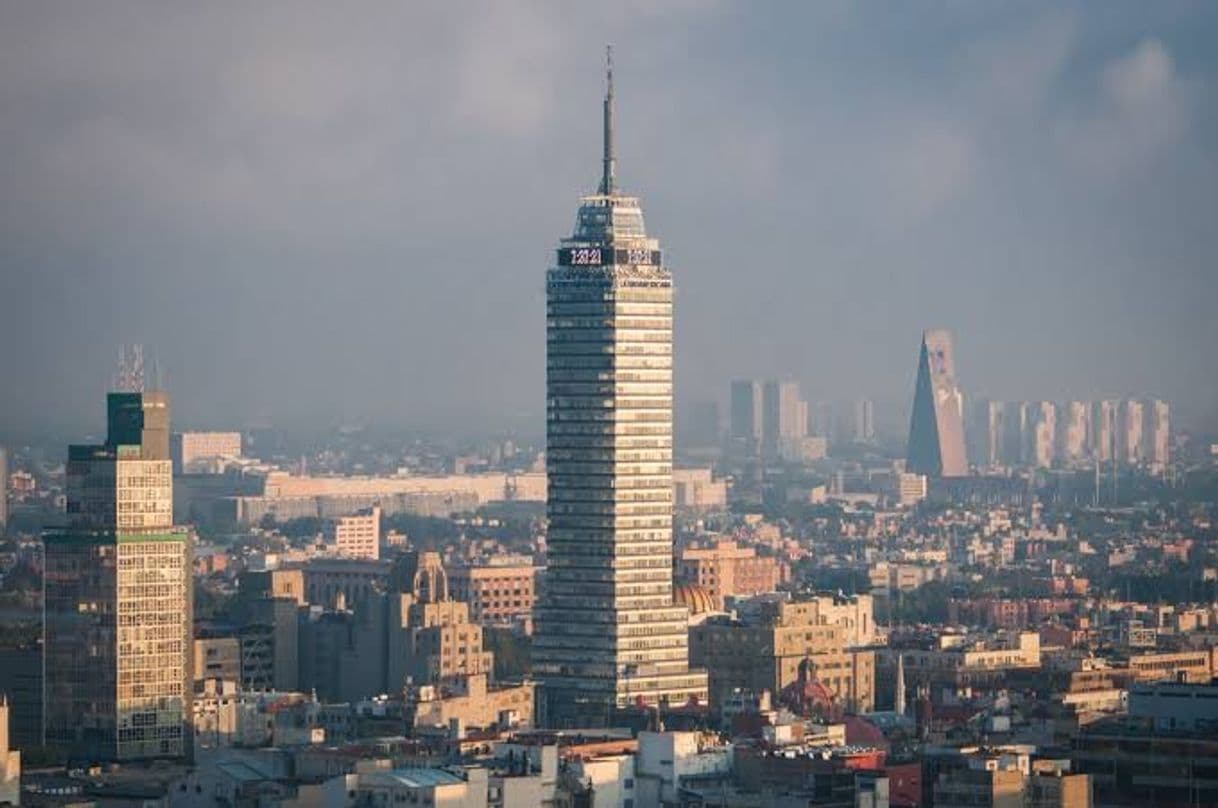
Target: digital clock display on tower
x=604, y=256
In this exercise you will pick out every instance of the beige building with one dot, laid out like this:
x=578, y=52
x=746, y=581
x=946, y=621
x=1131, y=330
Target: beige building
x=431, y=637
x=697, y=489
x=911, y=488
x=729, y=569
x=1194, y=666
x=473, y=703
x=195, y=452
x=217, y=658
x=497, y=594
x=766, y=648
x=358, y=535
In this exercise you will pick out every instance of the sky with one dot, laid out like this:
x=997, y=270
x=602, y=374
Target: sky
x=321, y=213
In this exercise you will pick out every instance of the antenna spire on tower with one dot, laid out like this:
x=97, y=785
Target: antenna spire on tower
x=609, y=160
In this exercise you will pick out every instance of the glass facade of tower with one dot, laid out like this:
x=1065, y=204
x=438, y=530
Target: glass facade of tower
x=607, y=633
x=118, y=597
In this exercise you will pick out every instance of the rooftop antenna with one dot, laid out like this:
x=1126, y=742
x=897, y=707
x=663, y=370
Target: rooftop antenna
x=130, y=375
x=608, y=160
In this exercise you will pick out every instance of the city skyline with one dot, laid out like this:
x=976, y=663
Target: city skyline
x=262, y=211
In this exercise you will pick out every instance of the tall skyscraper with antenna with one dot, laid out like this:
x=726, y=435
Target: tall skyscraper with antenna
x=118, y=604
x=607, y=633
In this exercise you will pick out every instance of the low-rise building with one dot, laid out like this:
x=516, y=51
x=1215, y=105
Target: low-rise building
x=357, y=535
x=499, y=593
x=726, y=569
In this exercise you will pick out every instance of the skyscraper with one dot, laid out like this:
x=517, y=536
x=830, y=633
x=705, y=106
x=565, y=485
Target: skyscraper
x=936, y=427
x=1073, y=431
x=1130, y=446
x=1104, y=430
x=1043, y=434
x=118, y=612
x=1156, y=435
x=864, y=421
x=784, y=419
x=744, y=431
x=607, y=633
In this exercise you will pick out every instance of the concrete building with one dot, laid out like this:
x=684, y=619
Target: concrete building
x=911, y=488
x=358, y=535
x=118, y=601
x=863, y=421
x=284, y=496
x=608, y=633
x=503, y=592
x=1074, y=432
x=1174, y=705
x=217, y=658
x=1104, y=428
x=471, y=702
x=778, y=644
x=696, y=489
x=1130, y=446
x=936, y=429
x=1156, y=434
x=432, y=787
x=431, y=636
x=745, y=424
x=203, y=452
x=726, y=569
x=784, y=420
x=1042, y=450
x=986, y=439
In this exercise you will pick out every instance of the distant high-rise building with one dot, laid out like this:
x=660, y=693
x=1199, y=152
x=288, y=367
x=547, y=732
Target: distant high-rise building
x=1074, y=428
x=985, y=433
x=864, y=421
x=607, y=632
x=936, y=428
x=744, y=431
x=1130, y=447
x=118, y=600
x=1043, y=435
x=1156, y=435
x=1017, y=419
x=1104, y=419
x=821, y=421
x=784, y=420
x=995, y=432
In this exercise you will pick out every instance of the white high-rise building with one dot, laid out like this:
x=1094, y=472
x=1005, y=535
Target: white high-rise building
x=1156, y=435
x=1130, y=448
x=784, y=422
x=1043, y=434
x=1074, y=430
x=1104, y=426
x=864, y=421
x=607, y=632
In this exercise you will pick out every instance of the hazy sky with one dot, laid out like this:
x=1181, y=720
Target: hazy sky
x=345, y=211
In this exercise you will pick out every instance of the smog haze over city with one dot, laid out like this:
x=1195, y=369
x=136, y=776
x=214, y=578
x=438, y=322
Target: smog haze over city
x=609, y=405
x=316, y=214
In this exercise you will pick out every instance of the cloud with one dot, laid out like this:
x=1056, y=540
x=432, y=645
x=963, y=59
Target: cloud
x=1142, y=109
